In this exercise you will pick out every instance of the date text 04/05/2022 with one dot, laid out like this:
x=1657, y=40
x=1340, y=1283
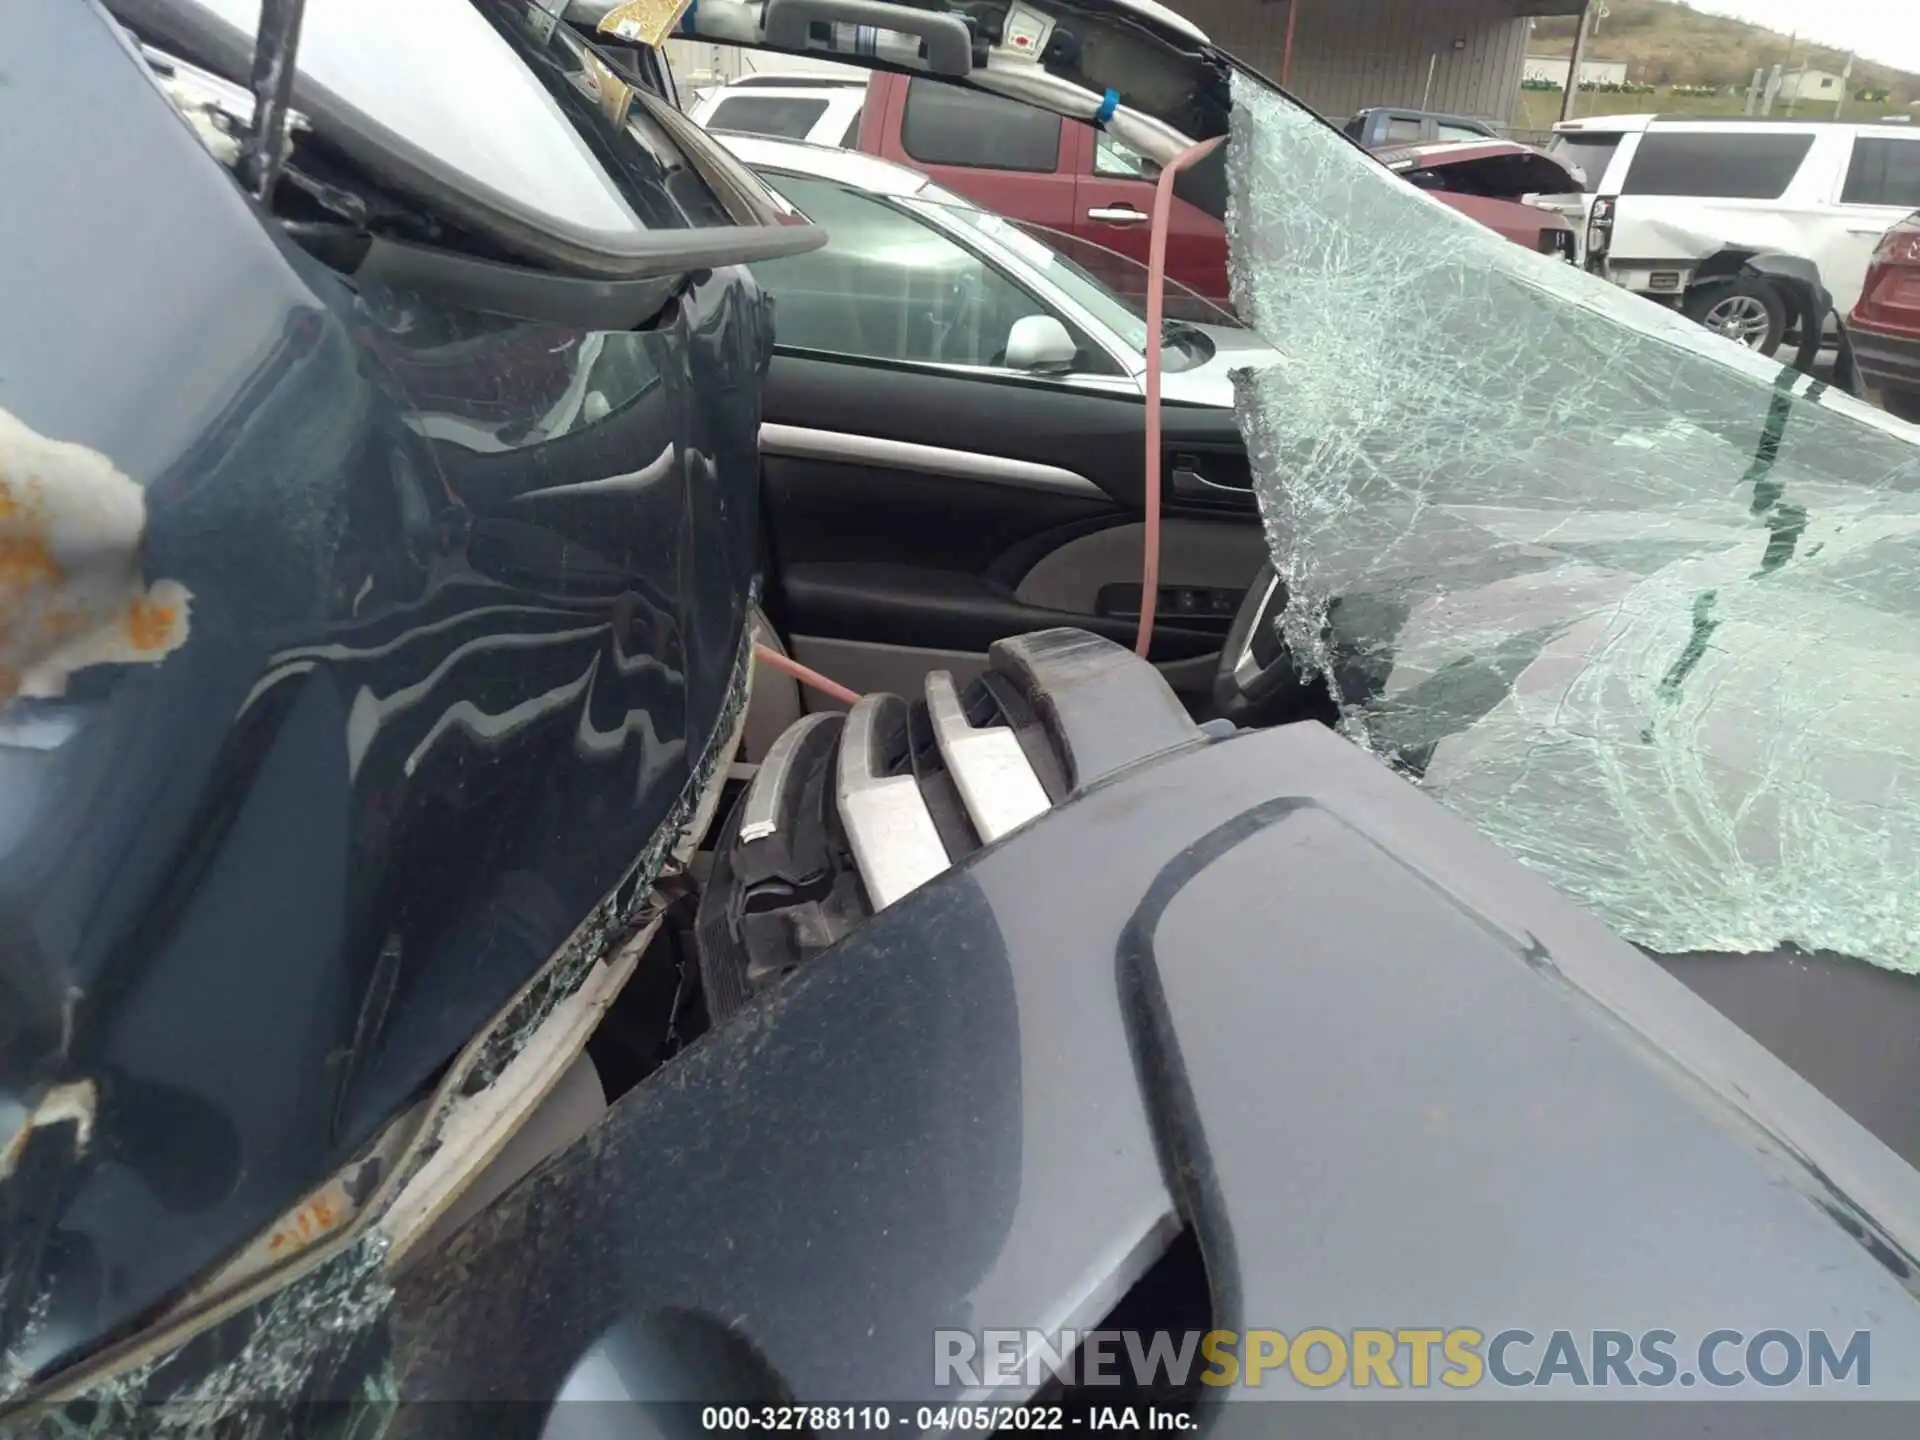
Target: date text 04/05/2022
x=941, y=1419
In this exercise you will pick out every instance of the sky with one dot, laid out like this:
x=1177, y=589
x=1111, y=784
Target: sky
x=1883, y=30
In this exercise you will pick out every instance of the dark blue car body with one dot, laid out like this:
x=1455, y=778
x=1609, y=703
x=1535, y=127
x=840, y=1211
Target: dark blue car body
x=468, y=605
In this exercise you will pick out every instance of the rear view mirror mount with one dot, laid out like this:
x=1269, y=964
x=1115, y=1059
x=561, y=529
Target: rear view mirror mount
x=948, y=39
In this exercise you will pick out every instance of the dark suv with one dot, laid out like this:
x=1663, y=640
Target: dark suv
x=1382, y=125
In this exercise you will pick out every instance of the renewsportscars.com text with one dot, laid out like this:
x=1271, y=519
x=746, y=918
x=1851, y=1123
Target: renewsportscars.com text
x=1460, y=1358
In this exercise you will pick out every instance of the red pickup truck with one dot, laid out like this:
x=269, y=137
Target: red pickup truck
x=1032, y=165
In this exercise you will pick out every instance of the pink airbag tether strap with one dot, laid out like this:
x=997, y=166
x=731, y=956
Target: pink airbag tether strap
x=1156, y=298
x=788, y=665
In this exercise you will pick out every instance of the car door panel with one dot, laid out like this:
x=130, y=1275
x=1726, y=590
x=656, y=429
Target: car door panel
x=1879, y=187
x=879, y=570
x=1096, y=435
x=1105, y=207
x=912, y=483
x=1038, y=196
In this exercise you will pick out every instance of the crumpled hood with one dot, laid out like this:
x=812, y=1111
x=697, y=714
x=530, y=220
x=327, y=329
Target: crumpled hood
x=1637, y=602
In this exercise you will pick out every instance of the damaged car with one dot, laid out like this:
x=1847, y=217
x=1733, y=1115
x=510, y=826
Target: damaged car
x=386, y=1022
x=1679, y=207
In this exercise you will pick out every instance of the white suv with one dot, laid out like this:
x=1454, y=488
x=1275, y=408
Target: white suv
x=817, y=109
x=1676, y=203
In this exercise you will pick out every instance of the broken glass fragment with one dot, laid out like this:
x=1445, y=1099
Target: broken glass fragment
x=1639, y=603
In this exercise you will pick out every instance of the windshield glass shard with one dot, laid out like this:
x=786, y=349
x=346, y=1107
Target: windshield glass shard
x=1637, y=602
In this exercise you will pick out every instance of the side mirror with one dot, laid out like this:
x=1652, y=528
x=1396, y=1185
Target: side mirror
x=1040, y=343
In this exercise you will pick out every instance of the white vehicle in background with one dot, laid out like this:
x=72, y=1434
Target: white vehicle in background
x=1677, y=204
x=821, y=110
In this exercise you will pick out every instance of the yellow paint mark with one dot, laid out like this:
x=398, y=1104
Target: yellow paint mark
x=150, y=626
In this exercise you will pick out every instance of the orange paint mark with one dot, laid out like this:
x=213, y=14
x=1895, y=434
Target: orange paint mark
x=58, y=624
x=25, y=561
x=309, y=1222
x=150, y=626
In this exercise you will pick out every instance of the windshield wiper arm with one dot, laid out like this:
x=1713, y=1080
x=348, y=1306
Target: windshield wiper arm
x=275, y=51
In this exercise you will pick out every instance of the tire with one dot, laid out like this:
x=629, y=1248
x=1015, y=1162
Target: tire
x=1739, y=308
x=1902, y=404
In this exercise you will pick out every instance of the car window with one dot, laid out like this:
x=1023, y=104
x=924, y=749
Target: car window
x=1120, y=161
x=946, y=125
x=887, y=286
x=1497, y=177
x=1458, y=132
x=1885, y=171
x=1716, y=165
x=851, y=139
x=1587, y=151
x=1402, y=130
x=1098, y=277
x=785, y=117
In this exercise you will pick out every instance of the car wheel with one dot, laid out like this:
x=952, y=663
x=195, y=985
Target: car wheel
x=1902, y=404
x=1746, y=311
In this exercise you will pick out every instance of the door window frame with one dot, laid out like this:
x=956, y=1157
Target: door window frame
x=1846, y=171
x=1121, y=376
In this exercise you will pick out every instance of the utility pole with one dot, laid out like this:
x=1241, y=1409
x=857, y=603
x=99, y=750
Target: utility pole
x=1799, y=88
x=1846, y=75
x=1573, y=65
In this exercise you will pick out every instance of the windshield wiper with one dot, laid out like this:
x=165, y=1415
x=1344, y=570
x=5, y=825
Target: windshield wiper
x=274, y=51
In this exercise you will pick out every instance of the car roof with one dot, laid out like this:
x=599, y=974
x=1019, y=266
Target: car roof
x=1449, y=152
x=1605, y=124
x=798, y=79
x=1152, y=10
x=1423, y=114
x=1165, y=17
x=1762, y=122
x=830, y=94
x=826, y=162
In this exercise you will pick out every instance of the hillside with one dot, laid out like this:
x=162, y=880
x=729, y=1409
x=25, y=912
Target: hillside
x=1668, y=43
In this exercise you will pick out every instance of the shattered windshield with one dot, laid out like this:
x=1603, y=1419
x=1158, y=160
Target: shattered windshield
x=1638, y=603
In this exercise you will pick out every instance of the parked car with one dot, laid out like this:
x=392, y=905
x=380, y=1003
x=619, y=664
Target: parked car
x=1885, y=325
x=1380, y=126
x=1041, y=168
x=817, y=109
x=1677, y=204
x=1071, y=178
x=972, y=395
x=1494, y=182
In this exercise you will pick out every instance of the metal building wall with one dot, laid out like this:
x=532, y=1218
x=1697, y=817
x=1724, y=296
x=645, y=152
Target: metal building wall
x=1348, y=54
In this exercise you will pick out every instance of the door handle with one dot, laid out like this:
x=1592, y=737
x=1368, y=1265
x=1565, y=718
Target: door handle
x=1867, y=230
x=1117, y=214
